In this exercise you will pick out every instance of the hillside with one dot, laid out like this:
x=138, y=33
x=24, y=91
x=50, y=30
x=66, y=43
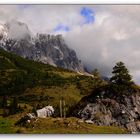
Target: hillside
x=39, y=84
x=26, y=85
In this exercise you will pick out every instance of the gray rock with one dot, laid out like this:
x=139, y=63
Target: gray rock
x=110, y=112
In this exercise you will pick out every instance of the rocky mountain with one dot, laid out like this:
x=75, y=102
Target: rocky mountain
x=15, y=37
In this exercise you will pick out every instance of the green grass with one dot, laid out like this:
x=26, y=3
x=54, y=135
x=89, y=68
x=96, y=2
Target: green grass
x=52, y=94
x=67, y=126
x=6, y=126
x=51, y=125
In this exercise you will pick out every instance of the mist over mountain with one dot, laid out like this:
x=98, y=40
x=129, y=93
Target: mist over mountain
x=49, y=49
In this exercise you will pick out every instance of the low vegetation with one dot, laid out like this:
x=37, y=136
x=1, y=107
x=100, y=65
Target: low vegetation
x=56, y=126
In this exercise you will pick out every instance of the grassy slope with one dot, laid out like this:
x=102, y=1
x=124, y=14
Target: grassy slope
x=36, y=83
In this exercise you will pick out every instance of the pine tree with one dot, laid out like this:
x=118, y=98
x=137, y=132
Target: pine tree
x=121, y=75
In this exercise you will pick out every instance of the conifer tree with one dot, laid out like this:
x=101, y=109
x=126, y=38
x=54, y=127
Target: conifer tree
x=121, y=75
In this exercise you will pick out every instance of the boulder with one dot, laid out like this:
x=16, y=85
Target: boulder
x=124, y=113
x=28, y=118
x=47, y=111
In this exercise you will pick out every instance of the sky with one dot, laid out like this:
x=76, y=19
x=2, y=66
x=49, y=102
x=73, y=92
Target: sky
x=100, y=34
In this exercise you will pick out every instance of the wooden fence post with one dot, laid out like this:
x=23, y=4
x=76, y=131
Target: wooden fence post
x=60, y=108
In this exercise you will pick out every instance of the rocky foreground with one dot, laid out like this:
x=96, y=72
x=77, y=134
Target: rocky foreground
x=121, y=111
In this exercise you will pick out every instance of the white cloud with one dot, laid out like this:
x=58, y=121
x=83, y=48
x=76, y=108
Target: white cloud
x=114, y=36
x=45, y=18
x=8, y=12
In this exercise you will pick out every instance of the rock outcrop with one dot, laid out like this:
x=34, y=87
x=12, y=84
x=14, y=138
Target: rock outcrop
x=121, y=112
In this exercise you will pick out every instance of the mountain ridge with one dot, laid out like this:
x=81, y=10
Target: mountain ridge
x=46, y=48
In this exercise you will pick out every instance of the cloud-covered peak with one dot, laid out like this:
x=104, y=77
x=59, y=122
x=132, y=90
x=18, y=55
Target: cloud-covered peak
x=18, y=30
